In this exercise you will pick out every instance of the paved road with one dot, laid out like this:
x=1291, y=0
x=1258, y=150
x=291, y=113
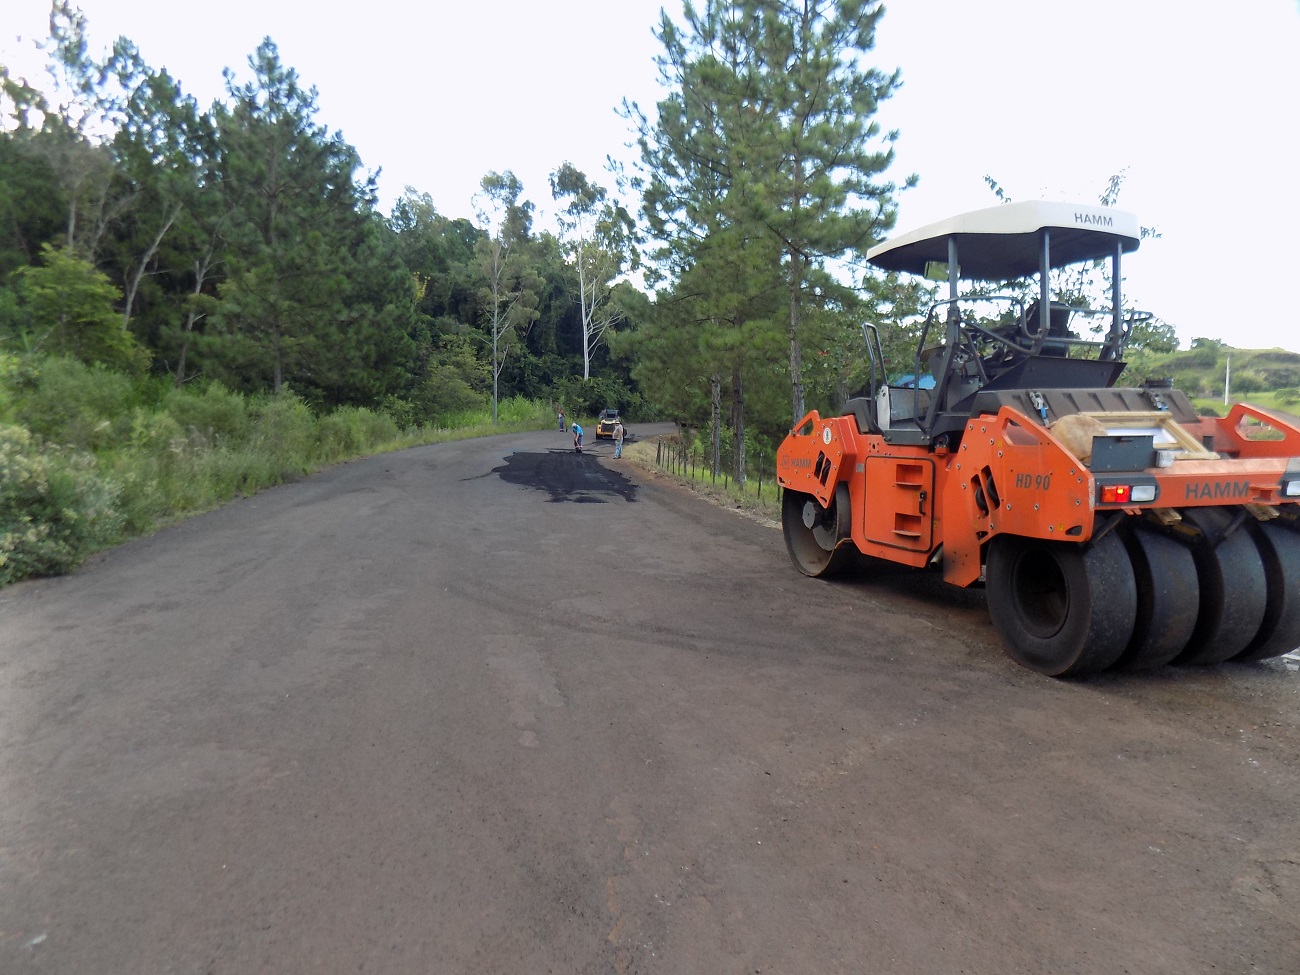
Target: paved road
x=488, y=708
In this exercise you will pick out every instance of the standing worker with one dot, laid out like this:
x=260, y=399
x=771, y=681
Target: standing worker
x=560, y=417
x=618, y=439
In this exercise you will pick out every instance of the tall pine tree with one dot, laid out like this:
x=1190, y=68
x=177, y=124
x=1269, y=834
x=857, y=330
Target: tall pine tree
x=305, y=247
x=768, y=132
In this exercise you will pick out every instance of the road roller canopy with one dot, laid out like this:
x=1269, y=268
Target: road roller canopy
x=1006, y=242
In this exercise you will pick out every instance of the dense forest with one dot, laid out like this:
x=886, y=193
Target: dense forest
x=242, y=244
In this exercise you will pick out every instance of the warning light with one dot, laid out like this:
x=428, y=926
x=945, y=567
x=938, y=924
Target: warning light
x=1127, y=493
x=1116, y=494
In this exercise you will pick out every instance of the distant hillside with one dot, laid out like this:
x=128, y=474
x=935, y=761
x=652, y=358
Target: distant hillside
x=1266, y=377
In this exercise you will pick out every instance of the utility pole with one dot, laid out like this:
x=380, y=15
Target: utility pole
x=1227, y=380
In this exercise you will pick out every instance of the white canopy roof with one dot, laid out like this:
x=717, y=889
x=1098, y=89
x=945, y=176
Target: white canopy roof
x=1002, y=243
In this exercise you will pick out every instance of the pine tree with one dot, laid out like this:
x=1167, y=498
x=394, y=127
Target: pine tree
x=768, y=131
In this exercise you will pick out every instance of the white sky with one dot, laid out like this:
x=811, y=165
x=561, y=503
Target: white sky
x=1197, y=101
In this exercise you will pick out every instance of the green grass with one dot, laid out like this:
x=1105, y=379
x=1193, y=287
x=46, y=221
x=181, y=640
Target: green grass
x=756, y=497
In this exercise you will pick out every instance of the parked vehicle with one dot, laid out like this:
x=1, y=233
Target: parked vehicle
x=1110, y=526
x=605, y=424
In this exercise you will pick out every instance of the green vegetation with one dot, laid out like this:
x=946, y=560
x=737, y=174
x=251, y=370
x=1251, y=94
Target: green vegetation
x=1268, y=378
x=198, y=304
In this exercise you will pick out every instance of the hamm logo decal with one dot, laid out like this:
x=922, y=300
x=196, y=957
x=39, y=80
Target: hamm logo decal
x=1217, y=490
x=1094, y=219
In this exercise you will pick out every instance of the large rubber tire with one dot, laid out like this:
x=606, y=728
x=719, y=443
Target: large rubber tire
x=1168, y=598
x=1234, y=590
x=1279, y=548
x=1063, y=609
x=816, y=537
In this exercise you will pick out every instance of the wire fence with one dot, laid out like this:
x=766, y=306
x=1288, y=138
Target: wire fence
x=691, y=461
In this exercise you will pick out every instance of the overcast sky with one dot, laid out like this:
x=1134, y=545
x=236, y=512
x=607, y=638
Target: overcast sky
x=1195, y=101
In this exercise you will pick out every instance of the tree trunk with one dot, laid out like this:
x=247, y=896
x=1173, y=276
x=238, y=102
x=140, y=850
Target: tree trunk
x=585, y=310
x=738, y=421
x=278, y=379
x=133, y=285
x=715, y=385
x=796, y=349
x=201, y=267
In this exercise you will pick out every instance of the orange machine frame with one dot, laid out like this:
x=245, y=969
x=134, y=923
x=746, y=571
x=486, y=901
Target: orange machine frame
x=915, y=505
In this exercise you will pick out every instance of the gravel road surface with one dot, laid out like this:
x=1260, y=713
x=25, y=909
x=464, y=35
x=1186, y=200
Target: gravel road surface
x=493, y=707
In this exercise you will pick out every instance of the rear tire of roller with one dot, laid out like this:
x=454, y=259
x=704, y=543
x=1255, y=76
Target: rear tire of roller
x=1062, y=609
x=1234, y=590
x=1279, y=549
x=1168, y=599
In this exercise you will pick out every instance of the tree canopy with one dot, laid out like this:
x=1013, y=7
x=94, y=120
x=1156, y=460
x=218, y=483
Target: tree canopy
x=243, y=243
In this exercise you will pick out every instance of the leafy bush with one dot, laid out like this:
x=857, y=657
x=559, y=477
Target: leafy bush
x=68, y=402
x=352, y=430
x=69, y=306
x=88, y=456
x=214, y=413
x=444, y=394
x=1248, y=382
x=55, y=509
x=286, y=430
x=9, y=365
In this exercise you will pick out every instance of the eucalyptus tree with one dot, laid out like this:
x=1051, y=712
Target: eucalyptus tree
x=510, y=285
x=78, y=117
x=598, y=238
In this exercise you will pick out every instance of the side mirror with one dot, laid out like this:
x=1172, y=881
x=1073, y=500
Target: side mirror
x=936, y=271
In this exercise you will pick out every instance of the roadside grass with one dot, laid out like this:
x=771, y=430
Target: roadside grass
x=758, y=499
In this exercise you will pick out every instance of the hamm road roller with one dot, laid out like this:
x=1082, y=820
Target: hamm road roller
x=1110, y=526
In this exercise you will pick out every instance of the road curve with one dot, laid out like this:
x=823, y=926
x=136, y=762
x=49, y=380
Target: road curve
x=491, y=707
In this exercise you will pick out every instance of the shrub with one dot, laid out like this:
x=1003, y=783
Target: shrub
x=519, y=412
x=351, y=430
x=68, y=402
x=445, y=393
x=9, y=370
x=286, y=429
x=55, y=509
x=214, y=413
x=71, y=304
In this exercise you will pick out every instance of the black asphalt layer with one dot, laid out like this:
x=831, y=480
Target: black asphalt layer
x=567, y=475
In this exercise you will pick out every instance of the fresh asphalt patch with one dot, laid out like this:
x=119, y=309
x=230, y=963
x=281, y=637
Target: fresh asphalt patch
x=566, y=476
